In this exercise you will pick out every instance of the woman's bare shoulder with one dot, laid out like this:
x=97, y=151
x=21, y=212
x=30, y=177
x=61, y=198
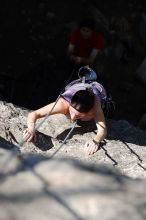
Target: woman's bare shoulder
x=59, y=106
x=64, y=105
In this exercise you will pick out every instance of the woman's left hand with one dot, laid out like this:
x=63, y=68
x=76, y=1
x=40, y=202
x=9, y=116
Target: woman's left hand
x=92, y=147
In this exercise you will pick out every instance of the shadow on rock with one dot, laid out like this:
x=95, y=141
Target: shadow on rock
x=8, y=145
x=85, y=127
x=125, y=132
x=43, y=142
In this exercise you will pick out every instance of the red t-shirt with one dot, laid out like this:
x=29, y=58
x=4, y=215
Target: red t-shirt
x=83, y=47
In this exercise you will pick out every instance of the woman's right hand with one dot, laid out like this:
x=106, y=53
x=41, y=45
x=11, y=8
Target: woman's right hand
x=28, y=135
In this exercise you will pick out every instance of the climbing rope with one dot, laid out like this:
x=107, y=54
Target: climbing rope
x=74, y=124
x=46, y=117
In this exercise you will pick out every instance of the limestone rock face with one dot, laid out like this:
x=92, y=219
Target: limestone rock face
x=48, y=180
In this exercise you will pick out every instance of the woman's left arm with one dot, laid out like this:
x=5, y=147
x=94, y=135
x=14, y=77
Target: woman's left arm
x=100, y=123
x=93, y=145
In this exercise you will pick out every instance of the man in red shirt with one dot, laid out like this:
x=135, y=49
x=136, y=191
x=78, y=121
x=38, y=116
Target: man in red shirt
x=85, y=44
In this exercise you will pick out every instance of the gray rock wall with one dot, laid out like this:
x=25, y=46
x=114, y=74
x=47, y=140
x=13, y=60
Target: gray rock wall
x=38, y=181
x=35, y=187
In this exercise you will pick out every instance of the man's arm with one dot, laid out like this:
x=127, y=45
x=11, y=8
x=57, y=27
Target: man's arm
x=82, y=60
x=93, y=55
x=72, y=57
x=70, y=49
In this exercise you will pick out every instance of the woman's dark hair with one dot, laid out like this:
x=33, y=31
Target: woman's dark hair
x=83, y=101
x=87, y=22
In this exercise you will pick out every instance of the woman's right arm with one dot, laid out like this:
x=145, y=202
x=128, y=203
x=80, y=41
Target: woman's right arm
x=50, y=109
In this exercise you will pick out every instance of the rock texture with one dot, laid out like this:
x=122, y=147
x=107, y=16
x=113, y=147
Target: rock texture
x=39, y=188
x=48, y=180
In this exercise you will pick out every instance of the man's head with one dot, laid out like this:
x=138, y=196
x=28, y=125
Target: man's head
x=83, y=101
x=87, y=25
